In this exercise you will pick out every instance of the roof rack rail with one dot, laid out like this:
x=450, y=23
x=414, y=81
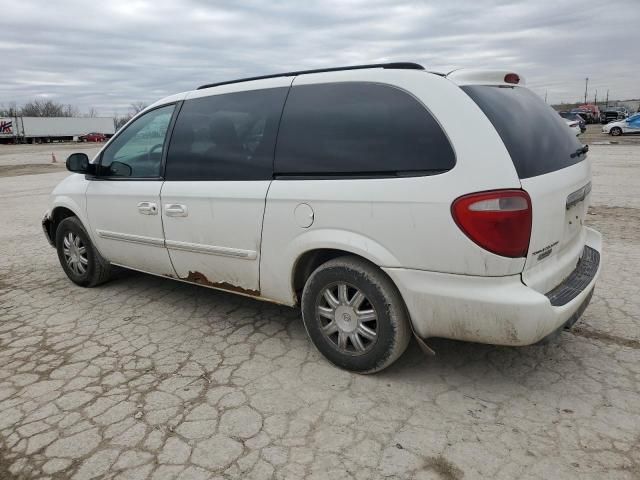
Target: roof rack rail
x=393, y=65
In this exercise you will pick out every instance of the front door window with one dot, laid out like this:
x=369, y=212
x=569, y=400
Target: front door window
x=137, y=151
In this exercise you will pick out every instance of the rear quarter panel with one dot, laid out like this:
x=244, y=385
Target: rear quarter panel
x=393, y=222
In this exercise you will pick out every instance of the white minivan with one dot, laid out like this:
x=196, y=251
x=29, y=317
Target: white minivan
x=384, y=200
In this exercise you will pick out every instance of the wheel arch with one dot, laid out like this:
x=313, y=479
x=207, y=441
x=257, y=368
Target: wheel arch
x=59, y=213
x=51, y=221
x=286, y=262
x=307, y=262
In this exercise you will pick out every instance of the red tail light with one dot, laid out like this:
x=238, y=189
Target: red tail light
x=498, y=221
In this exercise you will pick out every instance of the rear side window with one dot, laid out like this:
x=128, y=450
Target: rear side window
x=226, y=137
x=359, y=129
x=536, y=137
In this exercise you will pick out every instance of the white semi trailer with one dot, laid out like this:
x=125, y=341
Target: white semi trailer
x=47, y=129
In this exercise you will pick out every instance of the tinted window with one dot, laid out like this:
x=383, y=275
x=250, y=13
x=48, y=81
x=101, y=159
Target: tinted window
x=536, y=137
x=226, y=137
x=359, y=128
x=137, y=151
x=571, y=116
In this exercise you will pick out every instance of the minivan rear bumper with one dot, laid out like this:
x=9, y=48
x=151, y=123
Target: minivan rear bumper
x=495, y=310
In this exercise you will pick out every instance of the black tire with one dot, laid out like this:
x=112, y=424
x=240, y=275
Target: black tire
x=391, y=325
x=616, y=131
x=96, y=269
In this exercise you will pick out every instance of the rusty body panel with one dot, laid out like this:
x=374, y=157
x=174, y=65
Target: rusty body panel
x=200, y=279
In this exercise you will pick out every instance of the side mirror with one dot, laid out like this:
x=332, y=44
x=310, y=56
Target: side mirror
x=78, y=163
x=120, y=169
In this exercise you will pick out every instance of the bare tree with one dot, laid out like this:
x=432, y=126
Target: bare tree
x=48, y=108
x=10, y=110
x=120, y=120
x=42, y=108
x=92, y=113
x=70, y=111
x=137, y=107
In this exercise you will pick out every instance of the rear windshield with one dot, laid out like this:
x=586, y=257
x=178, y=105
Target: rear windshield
x=536, y=137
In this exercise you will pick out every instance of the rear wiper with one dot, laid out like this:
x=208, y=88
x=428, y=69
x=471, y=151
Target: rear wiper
x=580, y=151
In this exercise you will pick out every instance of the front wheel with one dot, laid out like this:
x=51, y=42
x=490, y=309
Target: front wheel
x=79, y=259
x=616, y=131
x=355, y=315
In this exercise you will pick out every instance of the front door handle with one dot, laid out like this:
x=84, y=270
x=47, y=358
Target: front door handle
x=175, y=210
x=148, y=208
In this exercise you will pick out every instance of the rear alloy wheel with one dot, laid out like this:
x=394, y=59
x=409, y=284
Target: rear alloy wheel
x=79, y=259
x=355, y=315
x=616, y=131
x=347, y=318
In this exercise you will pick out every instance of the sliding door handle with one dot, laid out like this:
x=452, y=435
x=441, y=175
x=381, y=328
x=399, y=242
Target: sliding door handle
x=175, y=210
x=148, y=208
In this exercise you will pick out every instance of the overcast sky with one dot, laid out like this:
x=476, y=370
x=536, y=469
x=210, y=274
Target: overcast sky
x=107, y=54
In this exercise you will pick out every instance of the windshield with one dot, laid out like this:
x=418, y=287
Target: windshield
x=536, y=137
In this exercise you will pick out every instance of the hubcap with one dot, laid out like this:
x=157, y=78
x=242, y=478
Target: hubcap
x=75, y=253
x=347, y=318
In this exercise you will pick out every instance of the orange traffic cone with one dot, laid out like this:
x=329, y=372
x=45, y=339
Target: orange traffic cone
x=53, y=158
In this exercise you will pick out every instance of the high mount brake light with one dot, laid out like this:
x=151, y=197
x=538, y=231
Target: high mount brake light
x=512, y=78
x=499, y=221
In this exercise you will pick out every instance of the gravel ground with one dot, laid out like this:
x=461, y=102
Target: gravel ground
x=146, y=378
x=41, y=153
x=16, y=160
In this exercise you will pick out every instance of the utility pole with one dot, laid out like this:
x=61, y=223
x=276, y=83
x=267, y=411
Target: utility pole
x=545, y=96
x=607, y=102
x=586, y=84
x=595, y=99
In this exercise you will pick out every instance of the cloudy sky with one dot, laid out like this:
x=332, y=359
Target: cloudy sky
x=108, y=54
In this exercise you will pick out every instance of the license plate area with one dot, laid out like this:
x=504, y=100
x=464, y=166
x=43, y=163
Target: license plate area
x=575, y=212
x=578, y=196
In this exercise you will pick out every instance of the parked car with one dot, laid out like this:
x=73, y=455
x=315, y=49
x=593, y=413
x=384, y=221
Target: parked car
x=574, y=126
x=93, y=137
x=355, y=193
x=628, y=125
x=575, y=117
x=590, y=112
x=613, y=114
x=585, y=114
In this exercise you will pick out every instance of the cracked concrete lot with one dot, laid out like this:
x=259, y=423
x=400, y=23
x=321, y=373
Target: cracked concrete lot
x=147, y=378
